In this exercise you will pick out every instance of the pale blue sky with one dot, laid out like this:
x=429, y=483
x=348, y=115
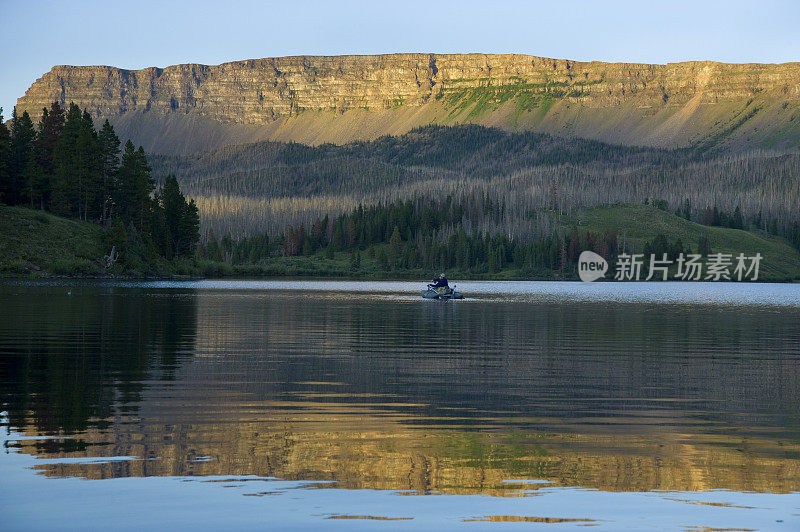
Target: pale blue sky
x=139, y=33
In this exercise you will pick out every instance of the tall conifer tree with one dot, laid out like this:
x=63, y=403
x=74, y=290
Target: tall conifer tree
x=88, y=153
x=65, y=184
x=5, y=149
x=181, y=219
x=134, y=186
x=50, y=127
x=108, y=150
x=22, y=136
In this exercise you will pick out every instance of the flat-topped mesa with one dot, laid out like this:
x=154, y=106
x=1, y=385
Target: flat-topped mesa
x=407, y=90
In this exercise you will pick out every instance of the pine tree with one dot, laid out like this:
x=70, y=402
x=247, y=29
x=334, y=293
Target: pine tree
x=89, y=176
x=51, y=126
x=395, y=247
x=65, y=195
x=737, y=221
x=108, y=166
x=134, y=186
x=22, y=136
x=189, y=230
x=181, y=219
x=381, y=259
x=212, y=250
x=75, y=160
x=493, y=254
x=5, y=149
x=226, y=245
x=355, y=260
x=462, y=249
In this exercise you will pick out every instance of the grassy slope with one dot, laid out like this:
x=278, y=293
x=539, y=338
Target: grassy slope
x=639, y=223
x=36, y=242
x=765, y=121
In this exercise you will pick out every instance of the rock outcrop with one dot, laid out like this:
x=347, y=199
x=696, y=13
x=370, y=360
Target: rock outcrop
x=314, y=99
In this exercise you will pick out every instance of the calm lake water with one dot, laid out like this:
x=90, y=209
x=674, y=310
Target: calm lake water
x=346, y=405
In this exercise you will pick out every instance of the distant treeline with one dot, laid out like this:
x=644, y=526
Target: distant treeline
x=245, y=190
x=423, y=234
x=415, y=234
x=464, y=231
x=66, y=167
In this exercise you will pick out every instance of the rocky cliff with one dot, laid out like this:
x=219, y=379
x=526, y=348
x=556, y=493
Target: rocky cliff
x=310, y=99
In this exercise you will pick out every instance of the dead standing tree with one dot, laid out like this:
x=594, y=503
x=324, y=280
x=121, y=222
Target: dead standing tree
x=108, y=261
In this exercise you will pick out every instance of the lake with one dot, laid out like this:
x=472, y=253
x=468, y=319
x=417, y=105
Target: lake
x=353, y=405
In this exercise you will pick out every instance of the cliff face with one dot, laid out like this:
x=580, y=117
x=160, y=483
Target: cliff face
x=342, y=98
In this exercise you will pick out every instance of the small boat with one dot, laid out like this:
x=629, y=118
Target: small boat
x=431, y=293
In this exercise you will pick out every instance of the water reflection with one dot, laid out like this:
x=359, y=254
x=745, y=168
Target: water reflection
x=404, y=395
x=71, y=362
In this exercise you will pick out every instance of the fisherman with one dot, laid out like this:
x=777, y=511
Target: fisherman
x=440, y=285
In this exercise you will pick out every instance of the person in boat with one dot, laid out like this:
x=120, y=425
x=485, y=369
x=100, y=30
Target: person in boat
x=440, y=285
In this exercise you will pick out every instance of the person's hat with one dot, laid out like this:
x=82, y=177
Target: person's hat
x=441, y=275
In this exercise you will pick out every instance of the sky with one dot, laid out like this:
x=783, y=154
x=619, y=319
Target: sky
x=38, y=34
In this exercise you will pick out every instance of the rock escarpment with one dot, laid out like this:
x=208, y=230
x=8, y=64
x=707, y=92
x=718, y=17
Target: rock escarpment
x=315, y=99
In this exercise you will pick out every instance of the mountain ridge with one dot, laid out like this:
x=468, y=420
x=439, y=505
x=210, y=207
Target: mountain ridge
x=317, y=99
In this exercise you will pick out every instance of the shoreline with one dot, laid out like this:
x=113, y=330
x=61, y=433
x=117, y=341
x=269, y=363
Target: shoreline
x=365, y=278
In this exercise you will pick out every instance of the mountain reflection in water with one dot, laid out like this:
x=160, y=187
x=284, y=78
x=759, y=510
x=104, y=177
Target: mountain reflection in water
x=403, y=394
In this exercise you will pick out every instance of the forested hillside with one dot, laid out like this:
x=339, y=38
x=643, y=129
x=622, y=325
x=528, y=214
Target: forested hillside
x=480, y=201
x=66, y=167
x=415, y=238
x=265, y=187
